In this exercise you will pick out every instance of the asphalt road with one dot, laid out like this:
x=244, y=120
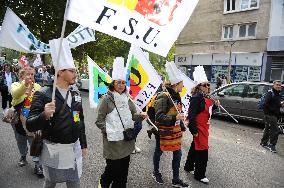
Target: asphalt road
x=235, y=158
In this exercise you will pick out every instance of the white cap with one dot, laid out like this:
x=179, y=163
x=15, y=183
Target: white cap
x=118, y=70
x=199, y=75
x=175, y=75
x=66, y=60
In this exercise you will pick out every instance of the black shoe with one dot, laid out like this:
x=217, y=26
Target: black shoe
x=23, y=161
x=179, y=183
x=272, y=148
x=158, y=178
x=265, y=145
x=38, y=171
x=191, y=171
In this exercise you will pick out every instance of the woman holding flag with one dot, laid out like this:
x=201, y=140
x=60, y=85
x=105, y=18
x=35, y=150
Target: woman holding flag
x=116, y=116
x=169, y=120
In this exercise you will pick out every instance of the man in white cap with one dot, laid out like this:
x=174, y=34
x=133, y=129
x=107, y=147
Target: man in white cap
x=61, y=122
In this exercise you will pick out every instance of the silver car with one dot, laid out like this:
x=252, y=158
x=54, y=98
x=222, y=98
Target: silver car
x=241, y=99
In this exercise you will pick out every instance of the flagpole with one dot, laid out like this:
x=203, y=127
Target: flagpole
x=59, y=51
x=153, y=125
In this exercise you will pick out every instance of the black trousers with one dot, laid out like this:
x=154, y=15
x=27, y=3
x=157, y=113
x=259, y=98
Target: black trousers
x=116, y=173
x=197, y=161
x=271, y=130
x=6, y=97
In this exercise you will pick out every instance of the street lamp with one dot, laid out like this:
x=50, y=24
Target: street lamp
x=230, y=64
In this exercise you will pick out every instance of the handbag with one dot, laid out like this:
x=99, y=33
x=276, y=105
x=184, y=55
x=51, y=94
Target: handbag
x=128, y=134
x=36, y=145
x=11, y=116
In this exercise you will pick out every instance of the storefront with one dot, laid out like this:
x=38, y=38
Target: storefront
x=244, y=66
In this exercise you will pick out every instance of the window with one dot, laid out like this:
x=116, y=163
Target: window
x=256, y=91
x=234, y=90
x=247, y=30
x=248, y=4
x=231, y=5
x=228, y=32
x=240, y=5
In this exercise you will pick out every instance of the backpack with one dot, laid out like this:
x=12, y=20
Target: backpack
x=261, y=102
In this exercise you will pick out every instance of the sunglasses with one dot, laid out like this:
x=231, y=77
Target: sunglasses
x=205, y=85
x=120, y=82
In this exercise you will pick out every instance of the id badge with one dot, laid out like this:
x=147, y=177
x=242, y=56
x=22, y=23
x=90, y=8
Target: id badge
x=78, y=99
x=76, y=116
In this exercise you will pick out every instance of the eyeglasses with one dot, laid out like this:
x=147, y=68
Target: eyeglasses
x=70, y=70
x=205, y=85
x=120, y=82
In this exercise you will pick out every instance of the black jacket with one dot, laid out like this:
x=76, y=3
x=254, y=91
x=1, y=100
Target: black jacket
x=61, y=128
x=272, y=103
x=197, y=105
x=3, y=82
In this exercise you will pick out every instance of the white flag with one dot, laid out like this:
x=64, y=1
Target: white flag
x=14, y=34
x=150, y=24
x=142, y=79
x=185, y=94
x=80, y=35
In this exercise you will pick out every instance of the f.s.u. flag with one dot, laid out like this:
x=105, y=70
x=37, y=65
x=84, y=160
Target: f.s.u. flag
x=98, y=83
x=142, y=79
x=146, y=23
x=185, y=94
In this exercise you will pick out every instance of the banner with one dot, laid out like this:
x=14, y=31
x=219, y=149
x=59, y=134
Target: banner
x=151, y=24
x=142, y=79
x=80, y=35
x=14, y=34
x=185, y=94
x=98, y=82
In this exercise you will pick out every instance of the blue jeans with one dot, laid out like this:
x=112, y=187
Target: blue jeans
x=175, y=161
x=137, y=127
x=22, y=143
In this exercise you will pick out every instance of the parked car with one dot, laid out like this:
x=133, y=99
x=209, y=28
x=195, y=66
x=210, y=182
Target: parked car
x=240, y=99
x=83, y=82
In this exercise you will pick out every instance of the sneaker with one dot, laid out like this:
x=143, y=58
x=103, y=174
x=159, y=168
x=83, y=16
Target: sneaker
x=158, y=178
x=179, y=183
x=38, y=171
x=272, y=148
x=204, y=180
x=138, y=150
x=265, y=145
x=23, y=161
x=189, y=171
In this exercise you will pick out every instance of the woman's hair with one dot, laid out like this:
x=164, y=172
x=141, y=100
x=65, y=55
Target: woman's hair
x=195, y=90
x=23, y=71
x=111, y=86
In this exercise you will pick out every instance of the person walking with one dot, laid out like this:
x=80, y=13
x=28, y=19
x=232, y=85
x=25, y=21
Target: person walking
x=219, y=81
x=62, y=124
x=169, y=120
x=199, y=115
x=271, y=110
x=116, y=114
x=22, y=94
x=7, y=78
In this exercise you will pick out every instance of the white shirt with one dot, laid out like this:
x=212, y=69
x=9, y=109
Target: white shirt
x=8, y=80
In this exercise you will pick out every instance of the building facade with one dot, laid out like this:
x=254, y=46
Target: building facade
x=233, y=35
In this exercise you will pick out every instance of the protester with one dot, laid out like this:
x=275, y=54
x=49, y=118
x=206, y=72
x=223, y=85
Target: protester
x=224, y=80
x=117, y=113
x=169, y=122
x=38, y=76
x=271, y=110
x=219, y=81
x=45, y=76
x=7, y=78
x=199, y=115
x=22, y=95
x=62, y=125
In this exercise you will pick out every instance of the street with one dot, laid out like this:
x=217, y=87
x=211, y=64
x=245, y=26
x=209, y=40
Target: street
x=235, y=158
